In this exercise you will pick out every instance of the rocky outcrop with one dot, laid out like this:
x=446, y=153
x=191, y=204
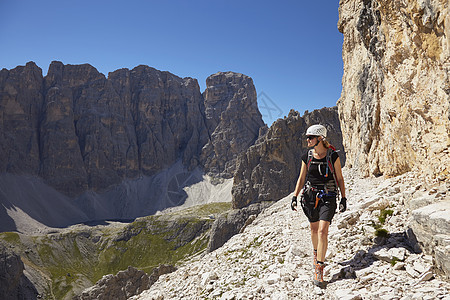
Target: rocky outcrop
x=124, y=284
x=394, y=106
x=167, y=113
x=268, y=170
x=431, y=225
x=231, y=223
x=233, y=119
x=13, y=283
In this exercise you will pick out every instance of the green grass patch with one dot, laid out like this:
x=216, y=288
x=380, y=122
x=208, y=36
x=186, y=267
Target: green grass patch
x=10, y=237
x=383, y=215
x=378, y=226
x=394, y=260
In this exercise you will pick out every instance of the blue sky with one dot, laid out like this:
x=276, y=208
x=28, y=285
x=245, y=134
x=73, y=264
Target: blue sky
x=291, y=49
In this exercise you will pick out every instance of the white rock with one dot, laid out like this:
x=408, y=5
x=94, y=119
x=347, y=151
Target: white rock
x=383, y=254
x=208, y=277
x=425, y=276
x=411, y=271
x=421, y=267
x=216, y=293
x=273, y=278
x=279, y=296
x=399, y=253
x=228, y=296
x=347, y=294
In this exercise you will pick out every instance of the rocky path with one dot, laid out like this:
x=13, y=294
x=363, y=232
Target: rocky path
x=272, y=259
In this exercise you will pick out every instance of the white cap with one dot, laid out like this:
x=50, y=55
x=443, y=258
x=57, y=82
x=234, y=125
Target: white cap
x=318, y=130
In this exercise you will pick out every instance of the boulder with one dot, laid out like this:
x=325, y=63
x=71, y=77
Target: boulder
x=431, y=225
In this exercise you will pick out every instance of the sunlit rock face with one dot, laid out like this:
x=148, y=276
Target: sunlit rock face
x=394, y=106
x=233, y=120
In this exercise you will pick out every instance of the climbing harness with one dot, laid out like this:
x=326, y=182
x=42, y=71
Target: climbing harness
x=331, y=188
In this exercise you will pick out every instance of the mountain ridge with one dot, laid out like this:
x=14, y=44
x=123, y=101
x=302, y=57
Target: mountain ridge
x=128, y=137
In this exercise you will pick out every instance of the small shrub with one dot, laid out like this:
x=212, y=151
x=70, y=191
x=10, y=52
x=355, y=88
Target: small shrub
x=394, y=260
x=376, y=226
x=383, y=214
x=381, y=232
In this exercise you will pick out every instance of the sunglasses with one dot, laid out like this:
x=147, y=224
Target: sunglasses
x=310, y=137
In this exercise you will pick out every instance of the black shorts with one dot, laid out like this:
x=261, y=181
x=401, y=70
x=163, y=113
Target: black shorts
x=325, y=210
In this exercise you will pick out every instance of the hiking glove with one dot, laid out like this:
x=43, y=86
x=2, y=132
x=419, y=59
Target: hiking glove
x=294, y=203
x=343, y=205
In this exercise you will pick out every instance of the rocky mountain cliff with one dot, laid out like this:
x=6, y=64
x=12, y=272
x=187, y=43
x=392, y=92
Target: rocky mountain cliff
x=394, y=106
x=79, y=130
x=268, y=170
x=232, y=118
x=85, y=135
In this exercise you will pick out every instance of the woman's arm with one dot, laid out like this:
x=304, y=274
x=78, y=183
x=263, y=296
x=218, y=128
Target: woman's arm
x=339, y=177
x=301, y=179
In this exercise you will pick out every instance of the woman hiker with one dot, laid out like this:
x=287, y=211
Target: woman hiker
x=319, y=181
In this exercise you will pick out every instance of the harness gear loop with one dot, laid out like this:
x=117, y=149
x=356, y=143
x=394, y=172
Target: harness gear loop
x=329, y=166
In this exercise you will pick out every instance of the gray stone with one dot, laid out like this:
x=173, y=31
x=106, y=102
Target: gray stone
x=273, y=278
x=13, y=283
x=231, y=223
x=383, y=254
x=431, y=225
x=421, y=267
x=124, y=284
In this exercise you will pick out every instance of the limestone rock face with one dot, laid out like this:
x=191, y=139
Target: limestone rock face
x=268, y=170
x=394, y=106
x=135, y=122
x=232, y=118
x=79, y=130
x=20, y=104
x=168, y=116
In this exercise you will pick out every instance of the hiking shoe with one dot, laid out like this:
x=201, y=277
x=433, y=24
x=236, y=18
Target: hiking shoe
x=318, y=276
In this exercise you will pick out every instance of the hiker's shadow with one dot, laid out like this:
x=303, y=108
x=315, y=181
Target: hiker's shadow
x=363, y=259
